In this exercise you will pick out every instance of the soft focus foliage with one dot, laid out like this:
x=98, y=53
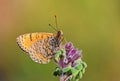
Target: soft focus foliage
x=92, y=25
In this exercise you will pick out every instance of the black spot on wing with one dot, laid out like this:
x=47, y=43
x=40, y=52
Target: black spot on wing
x=30, y=36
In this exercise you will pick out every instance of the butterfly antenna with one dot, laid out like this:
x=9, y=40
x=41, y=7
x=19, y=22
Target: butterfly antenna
x=56, y=23
x=52, y=27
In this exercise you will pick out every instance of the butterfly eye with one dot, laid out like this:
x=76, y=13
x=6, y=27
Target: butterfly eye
x=59, y=33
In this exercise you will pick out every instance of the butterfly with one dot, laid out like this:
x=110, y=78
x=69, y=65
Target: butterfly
x=41, y=46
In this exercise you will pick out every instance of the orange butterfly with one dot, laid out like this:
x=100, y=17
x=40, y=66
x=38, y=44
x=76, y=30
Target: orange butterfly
x=41, y=46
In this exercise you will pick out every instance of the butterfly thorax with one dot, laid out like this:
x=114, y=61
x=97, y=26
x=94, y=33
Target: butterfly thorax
x=58, y=37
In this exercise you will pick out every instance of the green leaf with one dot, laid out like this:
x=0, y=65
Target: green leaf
x=79, y=61
x=84, y=64
x=79, y=67
x=67, y=69
x=57, y=57
x=74, y=71
x=57, y=72
x=80, y=74
x=63, y=53
x=76, y=78
x=59, y=54
x=83, y=70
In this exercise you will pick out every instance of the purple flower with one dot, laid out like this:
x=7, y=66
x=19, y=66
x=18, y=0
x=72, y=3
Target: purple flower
x=72, y=54
x=69, y=46
x=69, y=60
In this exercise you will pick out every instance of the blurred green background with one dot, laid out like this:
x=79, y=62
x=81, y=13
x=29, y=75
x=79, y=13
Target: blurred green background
x=92, y=25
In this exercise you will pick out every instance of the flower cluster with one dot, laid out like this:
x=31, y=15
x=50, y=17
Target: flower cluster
x=71, y=66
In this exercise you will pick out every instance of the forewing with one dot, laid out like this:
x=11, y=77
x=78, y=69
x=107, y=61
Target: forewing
x=25, y=41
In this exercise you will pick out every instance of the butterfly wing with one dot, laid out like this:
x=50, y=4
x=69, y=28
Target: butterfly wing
x=36, y=45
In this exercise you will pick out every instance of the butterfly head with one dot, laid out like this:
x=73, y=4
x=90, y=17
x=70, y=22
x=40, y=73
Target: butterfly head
x=59, y=33
x=59, y=36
